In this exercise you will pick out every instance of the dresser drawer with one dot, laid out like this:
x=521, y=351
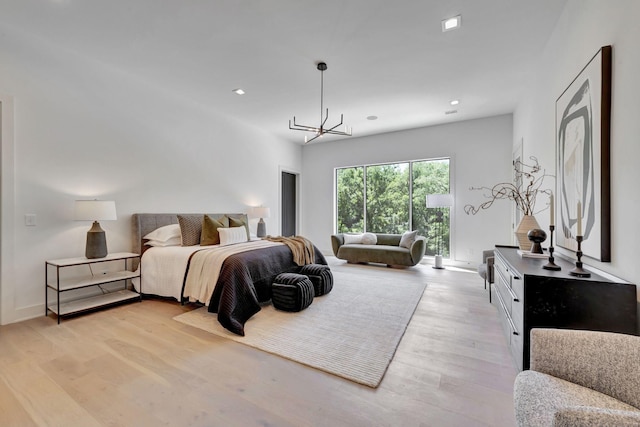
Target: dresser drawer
x=517, y=286
x=501, y=289
x=517, y=349
x=504, y=310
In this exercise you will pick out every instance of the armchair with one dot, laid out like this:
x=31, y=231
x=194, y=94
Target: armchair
x=581, y=378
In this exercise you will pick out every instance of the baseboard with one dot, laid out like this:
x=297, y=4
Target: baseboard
x=23, y=313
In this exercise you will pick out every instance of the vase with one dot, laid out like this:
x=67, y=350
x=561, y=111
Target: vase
x=527, y=223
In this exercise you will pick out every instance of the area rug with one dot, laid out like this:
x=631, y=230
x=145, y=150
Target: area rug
x=352, y=332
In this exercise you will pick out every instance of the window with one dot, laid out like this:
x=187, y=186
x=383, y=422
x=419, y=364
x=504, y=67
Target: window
x=391, y=198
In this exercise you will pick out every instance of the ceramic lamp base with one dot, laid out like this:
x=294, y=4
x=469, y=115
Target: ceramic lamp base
x=438, y=262
x=96, y=242
x=262, y=229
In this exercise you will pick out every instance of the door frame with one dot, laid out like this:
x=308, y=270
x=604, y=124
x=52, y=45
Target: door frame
x=8, y=311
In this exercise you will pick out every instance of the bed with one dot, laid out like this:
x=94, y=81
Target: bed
x=235, y=289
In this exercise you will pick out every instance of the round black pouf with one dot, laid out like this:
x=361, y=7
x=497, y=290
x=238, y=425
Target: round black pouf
x=321, y=277
x=536, y=236
x=291, y=292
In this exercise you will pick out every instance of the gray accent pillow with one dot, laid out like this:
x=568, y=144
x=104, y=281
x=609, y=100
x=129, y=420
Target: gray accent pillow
x=190, y=229
x=407, y=239
x=210, y=226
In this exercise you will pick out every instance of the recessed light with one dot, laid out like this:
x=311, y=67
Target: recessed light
x=451, y=23
x=238, y=91
x=455, y=102
x=372, y=117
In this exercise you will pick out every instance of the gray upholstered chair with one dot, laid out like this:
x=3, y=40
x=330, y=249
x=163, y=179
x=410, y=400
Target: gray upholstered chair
x=580, y=378
x=485, y=270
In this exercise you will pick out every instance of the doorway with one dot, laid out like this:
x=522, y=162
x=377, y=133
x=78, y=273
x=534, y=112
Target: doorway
x=289, y=208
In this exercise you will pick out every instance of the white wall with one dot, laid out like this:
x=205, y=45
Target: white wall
x=82, y=129
x=480, y=152
x=583, y=28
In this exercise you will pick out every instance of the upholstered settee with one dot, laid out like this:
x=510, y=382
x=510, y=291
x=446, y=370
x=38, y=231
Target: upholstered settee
x=395, y=250
x=580, y=378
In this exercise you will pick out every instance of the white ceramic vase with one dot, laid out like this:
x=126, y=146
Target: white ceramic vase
x=527, y=223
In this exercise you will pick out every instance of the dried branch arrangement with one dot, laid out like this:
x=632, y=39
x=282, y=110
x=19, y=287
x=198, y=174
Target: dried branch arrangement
x=528, y=180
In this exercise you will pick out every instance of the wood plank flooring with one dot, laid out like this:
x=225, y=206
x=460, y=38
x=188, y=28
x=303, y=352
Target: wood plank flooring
x=133, y=365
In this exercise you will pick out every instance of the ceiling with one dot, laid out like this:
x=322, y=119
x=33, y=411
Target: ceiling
x=388, y=59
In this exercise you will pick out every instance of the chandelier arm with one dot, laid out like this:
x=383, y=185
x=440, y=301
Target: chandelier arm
x=324, y=121
x=306, y=129
x=315, y=137
x=297, y=126
x=335, y=132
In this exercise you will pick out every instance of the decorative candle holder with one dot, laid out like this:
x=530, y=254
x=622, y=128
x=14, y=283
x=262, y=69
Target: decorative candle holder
x=579, y=271
x=551, y=265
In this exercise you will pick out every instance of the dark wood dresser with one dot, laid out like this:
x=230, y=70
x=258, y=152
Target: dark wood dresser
x=529, y=296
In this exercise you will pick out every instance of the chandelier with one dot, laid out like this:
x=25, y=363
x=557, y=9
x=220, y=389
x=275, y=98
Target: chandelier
x=324, y=115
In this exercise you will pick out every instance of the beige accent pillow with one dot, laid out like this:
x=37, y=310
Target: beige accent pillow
x=229, y=236
x=238, y=222
x=210, y=226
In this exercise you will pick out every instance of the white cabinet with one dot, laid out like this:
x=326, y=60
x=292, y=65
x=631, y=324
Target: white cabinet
x=89, y=273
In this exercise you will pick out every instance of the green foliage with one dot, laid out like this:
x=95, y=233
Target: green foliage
x=350, y=194
x=430, y=177
x=388, y=200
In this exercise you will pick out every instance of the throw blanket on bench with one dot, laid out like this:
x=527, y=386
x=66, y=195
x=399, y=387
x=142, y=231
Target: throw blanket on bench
x=301, y=248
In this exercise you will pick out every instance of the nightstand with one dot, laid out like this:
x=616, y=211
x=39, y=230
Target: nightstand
x=86, y=273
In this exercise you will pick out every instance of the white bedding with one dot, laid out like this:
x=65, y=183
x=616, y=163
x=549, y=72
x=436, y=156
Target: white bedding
x=163, y=269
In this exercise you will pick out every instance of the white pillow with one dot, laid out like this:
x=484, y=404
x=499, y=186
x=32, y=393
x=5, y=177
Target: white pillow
x=350, y=239
x=369, y=239
x=165, y=233
x=231, y=235
x=174, y=241
x=408, y=238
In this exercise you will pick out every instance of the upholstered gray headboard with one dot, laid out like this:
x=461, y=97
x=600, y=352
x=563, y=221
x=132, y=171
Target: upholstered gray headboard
x=145, y=223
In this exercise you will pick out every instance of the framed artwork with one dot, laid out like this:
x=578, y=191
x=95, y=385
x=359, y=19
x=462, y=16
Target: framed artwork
x=583, y=117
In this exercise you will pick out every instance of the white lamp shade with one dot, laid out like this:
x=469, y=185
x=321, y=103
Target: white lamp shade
x=439, y=200
x=260, y=212
x=95, y=210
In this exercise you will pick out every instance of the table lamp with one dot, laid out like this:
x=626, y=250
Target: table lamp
x=95, y=210
x=261, y=212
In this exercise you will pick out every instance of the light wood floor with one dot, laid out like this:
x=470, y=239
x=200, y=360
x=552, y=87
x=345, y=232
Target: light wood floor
x=133, y=365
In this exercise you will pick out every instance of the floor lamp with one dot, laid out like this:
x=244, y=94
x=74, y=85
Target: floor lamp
x=439, y=201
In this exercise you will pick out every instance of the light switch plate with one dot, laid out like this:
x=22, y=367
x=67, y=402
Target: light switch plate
x=30, y=220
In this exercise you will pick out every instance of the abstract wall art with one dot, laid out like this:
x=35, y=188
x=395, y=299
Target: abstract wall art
x=583, y=116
